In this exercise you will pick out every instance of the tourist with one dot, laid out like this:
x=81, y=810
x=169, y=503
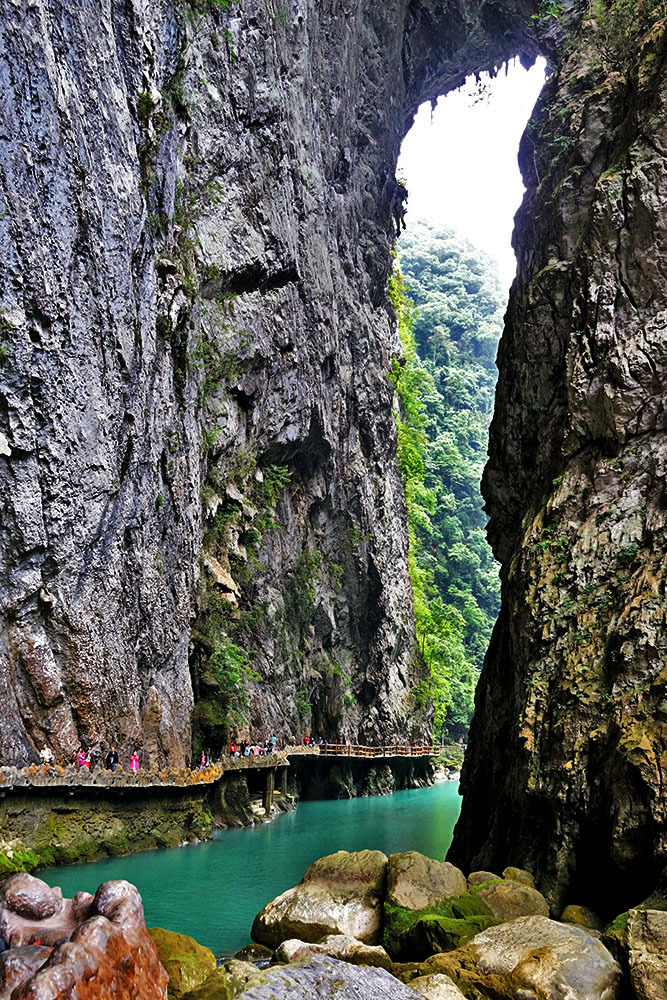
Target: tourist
x=111, y=759
x=273, y=743
x=134, y=762
x=232, y=749
x=46, y=755
x=256, y=751
x=3, y=945
x=202, y=761
x=82, y=758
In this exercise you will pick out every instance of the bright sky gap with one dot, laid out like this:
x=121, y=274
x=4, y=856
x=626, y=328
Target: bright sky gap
x=461, y=160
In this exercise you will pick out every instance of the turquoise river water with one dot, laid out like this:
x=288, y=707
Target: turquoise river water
x=213, y=890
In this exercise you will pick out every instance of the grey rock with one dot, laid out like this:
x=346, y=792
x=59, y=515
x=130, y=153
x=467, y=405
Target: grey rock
x=508, y=900
x=328, y=979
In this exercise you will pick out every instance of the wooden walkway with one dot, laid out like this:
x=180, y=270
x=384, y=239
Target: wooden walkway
x=392, y=750
x=70, y=777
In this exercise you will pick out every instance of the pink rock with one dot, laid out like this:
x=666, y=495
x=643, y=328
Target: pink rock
x=102, y=948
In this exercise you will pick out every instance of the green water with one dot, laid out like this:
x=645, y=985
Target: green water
x=212, y=891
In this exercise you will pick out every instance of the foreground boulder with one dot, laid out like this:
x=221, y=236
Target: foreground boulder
x=324, y=978
x=340, y=946
x=186, y=962
x=647, y=953
x=92, y=948
x=546, y=958
x=417, y=882
x=339, y=894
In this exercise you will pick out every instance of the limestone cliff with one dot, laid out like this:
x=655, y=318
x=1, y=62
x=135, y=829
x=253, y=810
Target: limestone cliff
x=197, y=442
x=569, y=742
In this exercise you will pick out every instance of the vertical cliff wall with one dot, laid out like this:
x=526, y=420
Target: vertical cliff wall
x=569, y=742
x=197, y=469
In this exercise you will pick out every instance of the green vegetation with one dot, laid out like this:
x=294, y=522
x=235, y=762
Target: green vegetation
x=549, y=10
x=445, y=386
x=246, y=499
x=6, y=327
x=620, y=26
x=451, y=923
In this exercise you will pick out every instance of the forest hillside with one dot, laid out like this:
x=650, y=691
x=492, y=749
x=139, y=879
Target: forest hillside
x=450, y=305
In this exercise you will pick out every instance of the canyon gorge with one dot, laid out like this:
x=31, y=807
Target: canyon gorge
x=197, y=428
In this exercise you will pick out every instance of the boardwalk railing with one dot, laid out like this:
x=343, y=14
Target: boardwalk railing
x=393, y=750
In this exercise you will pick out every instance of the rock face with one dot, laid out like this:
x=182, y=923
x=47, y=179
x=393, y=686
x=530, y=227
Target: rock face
x=647, y=953
x=91, y=947
x=339, y=894
x=196, y=221
x=564, y=772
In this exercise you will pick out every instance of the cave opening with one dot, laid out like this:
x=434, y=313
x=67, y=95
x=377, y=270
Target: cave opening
x=459, y=165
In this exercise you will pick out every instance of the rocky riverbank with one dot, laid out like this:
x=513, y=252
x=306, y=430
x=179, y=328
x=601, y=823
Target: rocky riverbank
x=357, y=925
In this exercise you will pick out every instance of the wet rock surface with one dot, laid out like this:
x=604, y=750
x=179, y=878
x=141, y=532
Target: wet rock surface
x=91, y=947
x=187, y=963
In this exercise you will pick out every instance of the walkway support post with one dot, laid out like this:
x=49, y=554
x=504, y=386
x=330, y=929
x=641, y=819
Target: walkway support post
x=283, y=781
x=269, y=786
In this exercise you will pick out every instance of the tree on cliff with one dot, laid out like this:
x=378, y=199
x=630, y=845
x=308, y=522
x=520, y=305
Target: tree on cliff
x=445, y=388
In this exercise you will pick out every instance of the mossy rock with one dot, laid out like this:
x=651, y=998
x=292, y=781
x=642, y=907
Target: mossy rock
x=20, y=861
x=216, y=986
x=187, y=963
x=582, y=916
x=436, y=934
x=459, y=919
x=615, y=936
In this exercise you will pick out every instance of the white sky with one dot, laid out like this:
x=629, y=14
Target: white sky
x=461, y=163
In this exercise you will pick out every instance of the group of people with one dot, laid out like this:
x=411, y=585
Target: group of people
x=245, y=749
x=82, y=758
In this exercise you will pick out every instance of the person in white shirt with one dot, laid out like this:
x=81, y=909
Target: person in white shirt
x=46, y=755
